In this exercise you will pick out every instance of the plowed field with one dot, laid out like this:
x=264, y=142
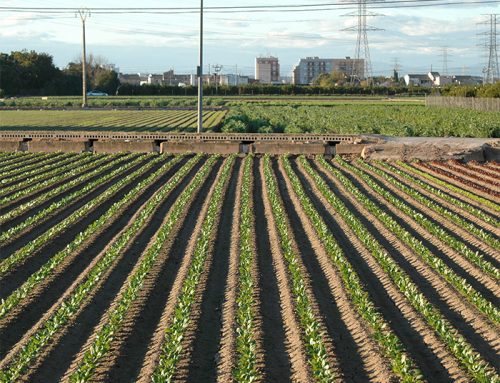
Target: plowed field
x=128, y=267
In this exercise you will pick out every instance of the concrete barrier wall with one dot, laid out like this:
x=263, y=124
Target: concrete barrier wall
x=343, y=149
x=200, y=147
x=148, y=146
x=125, y=146
x=56, y=146
x=10, y=146
x=288, y=148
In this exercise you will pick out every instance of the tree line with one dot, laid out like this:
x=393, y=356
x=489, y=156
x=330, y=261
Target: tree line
x=28, y=73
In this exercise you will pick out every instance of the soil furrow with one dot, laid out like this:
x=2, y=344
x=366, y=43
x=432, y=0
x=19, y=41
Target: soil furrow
x=36, y=193
x=225, y=357
x=181, y=254
x=363, y=359
x=44, y=295
x=314, y=290
x=207, y=337
x=277, y=347
x=464, y=176
x=62, y=212
x=447, y=175
x=485, y=284
x=205, y=317
x=296, y=349
x=481, y=333
x=487, y=227
x=485, y=209
x=345, y=343
x=21, y=272
x=127, y=350
x=425, y=348
x=474, y=174
x=58, y=357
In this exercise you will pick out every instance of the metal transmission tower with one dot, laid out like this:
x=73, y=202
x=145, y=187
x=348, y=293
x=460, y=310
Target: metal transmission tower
x=362, y=46
x=492, y=71
x=445, y=56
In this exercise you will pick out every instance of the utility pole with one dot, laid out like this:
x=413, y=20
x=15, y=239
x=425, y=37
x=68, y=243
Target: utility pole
x=200, y=74
x=84, y=13
x=217, y=69
x=362, y=51
x=492, y=70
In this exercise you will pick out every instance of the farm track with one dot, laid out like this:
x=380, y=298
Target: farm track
x=250, y=280
x=480, y=332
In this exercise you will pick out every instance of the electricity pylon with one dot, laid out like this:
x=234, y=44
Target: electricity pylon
x=492, y=70
x=362, y=52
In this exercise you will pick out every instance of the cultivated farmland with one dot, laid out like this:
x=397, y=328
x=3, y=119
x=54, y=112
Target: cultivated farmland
x=198, y=268
x=109, y=120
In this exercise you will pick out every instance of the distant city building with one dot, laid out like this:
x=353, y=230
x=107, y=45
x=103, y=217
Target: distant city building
x=267, y=70
x=132, y=79
x=308, y=69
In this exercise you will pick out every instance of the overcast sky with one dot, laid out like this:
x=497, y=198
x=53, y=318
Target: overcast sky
x=155, y=43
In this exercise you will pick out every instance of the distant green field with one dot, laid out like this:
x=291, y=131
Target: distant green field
x=181, y=101
x=394, y=120
x=114, y=120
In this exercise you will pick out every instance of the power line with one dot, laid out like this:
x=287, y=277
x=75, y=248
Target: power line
x=319, y=7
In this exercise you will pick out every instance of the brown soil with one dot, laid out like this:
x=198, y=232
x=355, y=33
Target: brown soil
x=275, y=342
x=46, y=293
x=485, y=209
x=426, y=349
x=455, y=260
x=183, y=250
x=446, y=174
x=493, y=230
x=360, y=358
x=478, y=330
x=484, y=169
x=27, y=235
x=477, y=175
x=56, y=359
x=225, y=357
x=295, y=347
x=28, y=197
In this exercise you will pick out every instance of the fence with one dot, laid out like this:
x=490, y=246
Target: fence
x=483, y=104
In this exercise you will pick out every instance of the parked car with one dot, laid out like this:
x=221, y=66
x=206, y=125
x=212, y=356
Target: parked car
x=96, y=93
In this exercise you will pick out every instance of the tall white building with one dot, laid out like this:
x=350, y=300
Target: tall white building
x=267, y=70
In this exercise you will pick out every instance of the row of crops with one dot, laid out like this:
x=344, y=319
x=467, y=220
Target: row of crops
x=147, y=267
x=109, y=120
x=359, y=118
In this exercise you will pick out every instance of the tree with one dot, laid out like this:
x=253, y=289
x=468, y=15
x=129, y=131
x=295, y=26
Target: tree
x=106, y=81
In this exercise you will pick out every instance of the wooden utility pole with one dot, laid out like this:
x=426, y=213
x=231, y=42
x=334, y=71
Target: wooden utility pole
x=84, y=13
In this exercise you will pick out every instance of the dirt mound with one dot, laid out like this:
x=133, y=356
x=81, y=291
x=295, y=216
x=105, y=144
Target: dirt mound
x=431, y=149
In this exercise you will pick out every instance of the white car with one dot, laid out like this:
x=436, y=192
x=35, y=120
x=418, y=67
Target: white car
x=96, y=93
